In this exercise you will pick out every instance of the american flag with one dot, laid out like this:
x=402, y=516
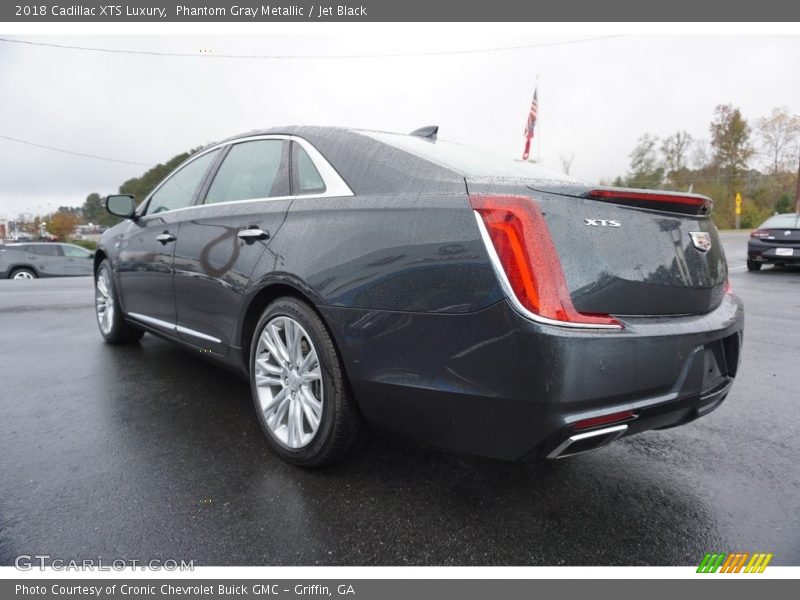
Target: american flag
x=531, y=125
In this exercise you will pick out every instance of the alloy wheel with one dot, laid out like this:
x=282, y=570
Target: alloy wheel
x=104, y=300
x=288, y=381
x=23, y=275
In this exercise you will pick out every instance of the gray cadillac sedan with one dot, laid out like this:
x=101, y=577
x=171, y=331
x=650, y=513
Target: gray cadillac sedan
x=462, y=298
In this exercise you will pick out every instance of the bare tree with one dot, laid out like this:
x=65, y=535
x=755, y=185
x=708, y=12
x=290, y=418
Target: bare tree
x=701, y=154
x=778, y=135
x=566, y=162
x=675, y=149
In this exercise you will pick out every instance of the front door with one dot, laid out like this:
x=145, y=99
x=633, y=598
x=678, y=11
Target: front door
x=146, y=248
x=77, y=260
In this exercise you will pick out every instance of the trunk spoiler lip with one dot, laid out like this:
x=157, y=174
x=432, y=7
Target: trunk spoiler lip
x=664, y=200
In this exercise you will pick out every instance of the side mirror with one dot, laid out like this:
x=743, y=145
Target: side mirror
x=121, y=205
x=91, y=254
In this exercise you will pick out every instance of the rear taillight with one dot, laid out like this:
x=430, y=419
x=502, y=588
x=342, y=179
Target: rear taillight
x=519, y=242
x=759, y=233
x=681, y=203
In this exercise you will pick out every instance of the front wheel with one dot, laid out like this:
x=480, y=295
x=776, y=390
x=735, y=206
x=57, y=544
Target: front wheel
x=301, y=397
x=753, y=265
x=113, y=327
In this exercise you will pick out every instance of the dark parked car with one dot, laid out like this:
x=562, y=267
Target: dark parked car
x=465, y=299
x=776, y=242
x=31, y=260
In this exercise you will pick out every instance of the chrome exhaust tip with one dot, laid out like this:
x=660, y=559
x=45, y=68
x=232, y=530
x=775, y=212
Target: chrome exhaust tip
x=588, y=441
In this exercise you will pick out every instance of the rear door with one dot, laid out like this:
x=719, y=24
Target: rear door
x=239, y=210
x=146, y=248
x=48, y=259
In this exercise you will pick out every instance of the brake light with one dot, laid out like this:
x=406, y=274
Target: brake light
x=519, y=240
x=728, y=287
x=625, y=415
x=759, y=233
x=683, y=203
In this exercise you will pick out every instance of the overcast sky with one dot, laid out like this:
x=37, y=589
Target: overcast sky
x=596, y=98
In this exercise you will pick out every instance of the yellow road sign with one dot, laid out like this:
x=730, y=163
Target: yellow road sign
x=738, y=199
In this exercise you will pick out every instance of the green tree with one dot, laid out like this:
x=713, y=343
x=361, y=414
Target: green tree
x=730, y=140
x=94, y=211
x=784, y=204
x=646, y=170
x=140, y=187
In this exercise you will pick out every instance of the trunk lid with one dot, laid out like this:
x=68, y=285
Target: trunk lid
x=623, y=255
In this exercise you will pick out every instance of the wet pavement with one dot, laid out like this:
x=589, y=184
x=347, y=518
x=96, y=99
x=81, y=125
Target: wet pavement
x=148, y=452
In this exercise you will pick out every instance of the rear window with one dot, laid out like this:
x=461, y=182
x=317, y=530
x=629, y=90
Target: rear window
x=467, y=160
x=787, y=221
x=307, y=179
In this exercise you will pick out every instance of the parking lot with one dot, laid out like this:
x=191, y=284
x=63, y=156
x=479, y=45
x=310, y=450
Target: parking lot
x=148, y=452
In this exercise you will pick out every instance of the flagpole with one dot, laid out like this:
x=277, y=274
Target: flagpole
x=529, y=133
x=539, y=145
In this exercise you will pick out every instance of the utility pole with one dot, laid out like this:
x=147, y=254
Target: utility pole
x=797, y=190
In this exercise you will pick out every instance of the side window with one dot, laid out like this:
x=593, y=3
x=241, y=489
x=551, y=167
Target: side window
x=75, y=252
x=250, y=170
x=178, y=190
x=305, y=176
x=47, y=250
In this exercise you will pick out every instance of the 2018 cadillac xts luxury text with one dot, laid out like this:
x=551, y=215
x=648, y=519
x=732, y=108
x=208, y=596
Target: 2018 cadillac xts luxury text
x=467, y=300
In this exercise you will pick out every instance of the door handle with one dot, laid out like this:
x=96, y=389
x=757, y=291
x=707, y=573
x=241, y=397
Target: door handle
x=165, y=237
x=253, y=233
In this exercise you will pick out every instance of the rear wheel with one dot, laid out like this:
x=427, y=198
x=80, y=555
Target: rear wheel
x=753, y=265
x=113, y=327
x=23, y=273
x=301, y=397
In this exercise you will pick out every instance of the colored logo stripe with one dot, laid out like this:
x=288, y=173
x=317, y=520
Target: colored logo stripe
x=733, y=563
x=711, y=563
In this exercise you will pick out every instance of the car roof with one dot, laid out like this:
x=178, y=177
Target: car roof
x=380, y=162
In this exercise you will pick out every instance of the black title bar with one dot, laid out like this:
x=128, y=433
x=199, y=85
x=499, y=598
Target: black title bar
x=400, y=10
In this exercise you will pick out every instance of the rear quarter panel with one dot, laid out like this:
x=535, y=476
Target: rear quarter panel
x=419, y=253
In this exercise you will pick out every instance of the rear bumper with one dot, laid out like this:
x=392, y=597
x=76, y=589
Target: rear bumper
x=761, y=252
x=496, y=384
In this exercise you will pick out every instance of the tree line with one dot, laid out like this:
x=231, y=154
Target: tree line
x=759, y=161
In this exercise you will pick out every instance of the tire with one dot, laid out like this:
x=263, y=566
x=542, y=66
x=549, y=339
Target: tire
x=753, y=265
x=112, y=325
x=290, y=394
x=23, y=273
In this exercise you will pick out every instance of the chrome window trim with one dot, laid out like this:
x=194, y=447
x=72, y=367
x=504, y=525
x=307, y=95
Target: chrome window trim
x=497, y=266
x=335, y=186
x=173, y=327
